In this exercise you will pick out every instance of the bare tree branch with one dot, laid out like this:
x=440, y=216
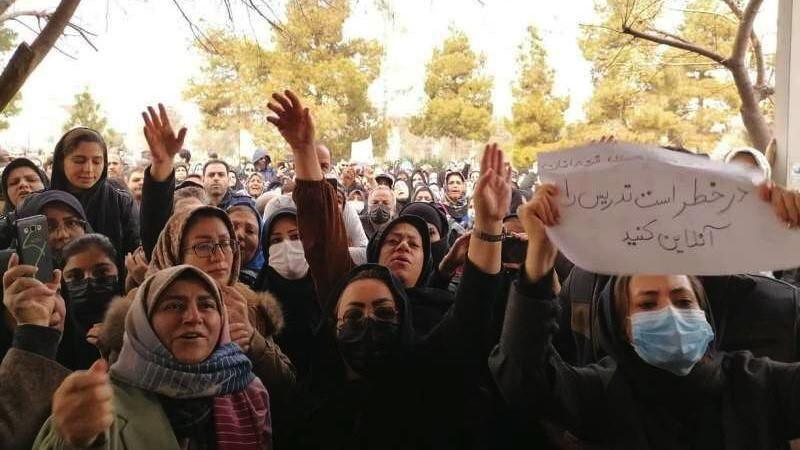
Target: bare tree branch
x=743, y=35
x=27, y=13
x=5, y=4
x=683, y=45
x=27, y=57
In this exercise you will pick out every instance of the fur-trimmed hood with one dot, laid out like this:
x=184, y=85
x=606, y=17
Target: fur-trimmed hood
x=265, y=315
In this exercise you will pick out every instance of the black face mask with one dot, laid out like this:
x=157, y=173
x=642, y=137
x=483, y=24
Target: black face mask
x=369, y=347
x=89, y=298
x=380, y=214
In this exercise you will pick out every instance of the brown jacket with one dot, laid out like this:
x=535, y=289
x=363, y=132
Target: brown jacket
x=269, y=363
x=27, y=384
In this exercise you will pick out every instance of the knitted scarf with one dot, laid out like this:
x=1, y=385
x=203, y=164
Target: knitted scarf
x=240, y=401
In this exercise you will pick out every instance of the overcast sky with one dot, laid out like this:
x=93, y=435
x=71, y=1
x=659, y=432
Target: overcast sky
x=146, y=55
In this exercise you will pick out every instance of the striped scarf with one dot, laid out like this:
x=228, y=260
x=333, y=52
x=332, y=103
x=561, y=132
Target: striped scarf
x=240, y=401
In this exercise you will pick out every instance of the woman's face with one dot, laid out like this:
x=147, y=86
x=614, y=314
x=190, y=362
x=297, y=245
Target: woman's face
x=401, y=190
x=284, y=228
x=366, y=298
x=654, y=292
x=356, y=196
x=403, y=254
x=187, y=320
x=217, y=263
x=424, y=196
x=180, y=173
x=455, y=187
x=21, y=182
x=63, y=225
x=417, y=180
x=231, y=180
x=249, y=168
x=255, y=186
x=83, y=166
x=246, y=227
x=91, y=263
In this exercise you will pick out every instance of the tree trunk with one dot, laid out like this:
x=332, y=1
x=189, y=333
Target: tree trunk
x=27, y=57
x=5, y=4
x=753, y=119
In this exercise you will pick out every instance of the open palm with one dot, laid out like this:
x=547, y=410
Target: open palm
x=493, y=190
x=161, y=138
x=293, y=121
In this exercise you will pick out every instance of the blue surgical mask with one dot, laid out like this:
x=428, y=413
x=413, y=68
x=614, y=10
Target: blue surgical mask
x=671, y=339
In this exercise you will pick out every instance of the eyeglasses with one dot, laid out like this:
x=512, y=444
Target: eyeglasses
x=356, y=318
x=69, y=225
x=206, y=249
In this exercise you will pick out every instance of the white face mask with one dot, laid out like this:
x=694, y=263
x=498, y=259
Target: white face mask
x=288, y=259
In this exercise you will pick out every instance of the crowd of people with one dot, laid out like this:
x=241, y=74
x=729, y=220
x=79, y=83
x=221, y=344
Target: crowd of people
x=319, y=304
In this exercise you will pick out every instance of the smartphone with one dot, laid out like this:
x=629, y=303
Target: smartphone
x=514, y=250
x=32, y=246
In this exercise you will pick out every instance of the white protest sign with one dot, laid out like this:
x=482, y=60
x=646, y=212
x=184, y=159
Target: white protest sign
x=629, y=209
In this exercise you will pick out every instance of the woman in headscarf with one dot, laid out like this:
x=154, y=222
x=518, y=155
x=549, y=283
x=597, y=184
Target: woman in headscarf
x=20, y=178
x=286, y=276
x=204, y=237
x=455, y=198
x=179, y=381
x=419, y=178
x=255, y=184
x=664, y=385
x=401, y=193
x=423, y=194
x=80, y=167
x=247, y=226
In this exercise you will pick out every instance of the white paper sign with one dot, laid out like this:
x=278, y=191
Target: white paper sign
x=629, y=209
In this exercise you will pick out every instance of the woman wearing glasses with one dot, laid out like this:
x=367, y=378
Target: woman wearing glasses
x=203, y=236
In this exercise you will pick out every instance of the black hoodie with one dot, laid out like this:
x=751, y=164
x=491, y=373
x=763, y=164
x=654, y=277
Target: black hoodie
x=729, y=400
x=111, y=212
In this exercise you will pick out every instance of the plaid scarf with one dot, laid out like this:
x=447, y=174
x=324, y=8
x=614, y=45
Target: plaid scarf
x=239, y=398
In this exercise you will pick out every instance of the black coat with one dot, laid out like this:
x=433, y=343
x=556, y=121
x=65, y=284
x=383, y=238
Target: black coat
x=156, y=209
x=751, y=312
x=432, y=399
x=728, y=400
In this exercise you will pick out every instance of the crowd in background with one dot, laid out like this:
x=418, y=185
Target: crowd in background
x=314, y=303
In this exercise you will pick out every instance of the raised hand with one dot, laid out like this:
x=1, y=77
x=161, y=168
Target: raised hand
x=536, y=215
x=82, y=405
x=456, y=256
x=29, y=300
x=161, y=139
x=785, y=203
x=492, y=195
x=241, y=329
x=296, y=125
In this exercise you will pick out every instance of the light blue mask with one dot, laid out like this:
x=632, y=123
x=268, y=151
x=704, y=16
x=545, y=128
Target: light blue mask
x=671, y=339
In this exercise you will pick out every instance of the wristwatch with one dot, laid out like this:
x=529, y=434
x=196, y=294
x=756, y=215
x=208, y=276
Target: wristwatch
x=489, y=237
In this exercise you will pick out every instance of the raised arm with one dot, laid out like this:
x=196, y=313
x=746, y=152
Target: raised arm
x=529, y=372
x=159, y=179
x=319, y=220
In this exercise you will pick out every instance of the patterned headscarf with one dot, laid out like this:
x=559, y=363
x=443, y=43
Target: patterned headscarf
x=167, y=252
x=226, y=375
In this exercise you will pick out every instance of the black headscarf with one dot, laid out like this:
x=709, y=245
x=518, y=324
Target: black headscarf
x=435, y=217
x=36, y=201
x=15, y=164
x=676, y=404
x=375, y=244
x=97, y=199
x=459, y=208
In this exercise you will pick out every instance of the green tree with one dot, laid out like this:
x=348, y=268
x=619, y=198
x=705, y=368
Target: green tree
x=459, y=95
x=7, y=38
x=660, y=94
x=311, y=56
x=86, y=112
x=537, y=114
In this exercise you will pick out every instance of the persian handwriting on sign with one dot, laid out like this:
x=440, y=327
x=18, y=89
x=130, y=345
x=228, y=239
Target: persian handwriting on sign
x=629, y=209
x=673, y=242
x=648, y=199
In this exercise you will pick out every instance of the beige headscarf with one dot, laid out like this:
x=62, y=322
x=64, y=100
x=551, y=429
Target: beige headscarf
x=167, y=252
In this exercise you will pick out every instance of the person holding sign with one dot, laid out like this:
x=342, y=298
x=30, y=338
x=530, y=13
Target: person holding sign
x=664, y=383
